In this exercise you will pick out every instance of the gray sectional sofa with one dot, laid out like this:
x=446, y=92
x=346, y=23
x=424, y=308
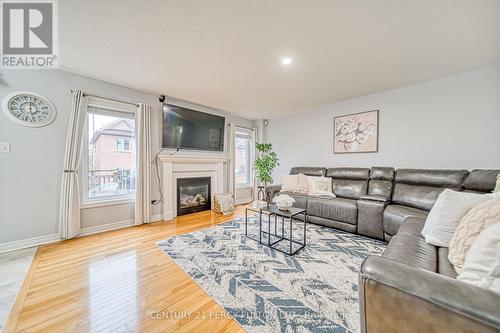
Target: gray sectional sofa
x=374, y=202
x=412, y=286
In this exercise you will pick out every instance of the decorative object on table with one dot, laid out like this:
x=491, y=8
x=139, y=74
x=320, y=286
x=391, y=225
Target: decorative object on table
x=258, y=204
x=264, y=165
x=28, y=109
x=261, y=196
x=356, y=133
x=284, y=201
x=224, y=203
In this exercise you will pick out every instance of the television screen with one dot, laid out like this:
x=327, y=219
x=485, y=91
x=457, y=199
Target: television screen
x=189, y=129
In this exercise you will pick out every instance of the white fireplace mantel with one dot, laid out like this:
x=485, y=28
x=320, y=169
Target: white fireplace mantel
x=174, y=167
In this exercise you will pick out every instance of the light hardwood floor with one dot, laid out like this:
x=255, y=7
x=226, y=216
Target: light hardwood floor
x=118, y=281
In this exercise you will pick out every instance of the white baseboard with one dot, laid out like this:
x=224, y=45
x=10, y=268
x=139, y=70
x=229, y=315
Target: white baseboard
x=106, y=227
x=158, y=217
x=29, y=242
x=168, y=216
x=42, y=240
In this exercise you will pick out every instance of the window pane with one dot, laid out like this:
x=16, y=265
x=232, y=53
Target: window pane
x=111, y=152
x=242, y=160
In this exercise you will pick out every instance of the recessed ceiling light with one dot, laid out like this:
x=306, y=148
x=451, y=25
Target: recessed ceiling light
x=286, y=61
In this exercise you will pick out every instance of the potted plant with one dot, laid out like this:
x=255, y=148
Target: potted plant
x=264, y=165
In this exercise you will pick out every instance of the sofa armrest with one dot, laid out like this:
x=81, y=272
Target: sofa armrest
x=395, y=297
x=271, y=191
x=373, y=197
x=371, y=216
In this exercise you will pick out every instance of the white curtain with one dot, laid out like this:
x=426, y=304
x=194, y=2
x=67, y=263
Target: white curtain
x=69, y=210
x=252, y=160
x=231, y=153
x=143, y=166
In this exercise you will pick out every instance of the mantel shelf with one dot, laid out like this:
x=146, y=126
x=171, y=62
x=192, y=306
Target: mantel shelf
x=192, y=159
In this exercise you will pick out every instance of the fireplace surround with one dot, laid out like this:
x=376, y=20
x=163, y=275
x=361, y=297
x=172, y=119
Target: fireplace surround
x=181, y=166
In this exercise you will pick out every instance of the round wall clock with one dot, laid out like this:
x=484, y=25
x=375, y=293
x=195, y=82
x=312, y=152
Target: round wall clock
x=28, y=109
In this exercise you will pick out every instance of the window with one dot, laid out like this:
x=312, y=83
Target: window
x=123, y=145
x=110, y=173
x=243, y=157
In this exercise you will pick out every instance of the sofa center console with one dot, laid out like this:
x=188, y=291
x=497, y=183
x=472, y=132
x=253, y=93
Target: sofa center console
x=370, y=216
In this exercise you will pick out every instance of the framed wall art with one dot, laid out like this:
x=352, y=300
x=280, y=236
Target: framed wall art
x=356, y=133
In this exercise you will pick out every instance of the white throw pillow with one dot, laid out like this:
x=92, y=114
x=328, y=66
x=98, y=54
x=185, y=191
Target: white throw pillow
x=482, y=262
x=289, y=183
x=477, y=219
x=320, y=186
x=447, y=212
x=497, y=187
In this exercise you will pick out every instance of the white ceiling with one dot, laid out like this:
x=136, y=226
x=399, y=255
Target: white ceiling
x=226, y=53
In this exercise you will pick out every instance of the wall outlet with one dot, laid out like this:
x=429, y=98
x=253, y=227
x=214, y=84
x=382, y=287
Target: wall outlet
x=4, y=147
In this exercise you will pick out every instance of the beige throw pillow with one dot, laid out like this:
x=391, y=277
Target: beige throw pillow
x=294, y=183
x=472, y=224
x=320, y=186
x=289, y=183
x=302, y=184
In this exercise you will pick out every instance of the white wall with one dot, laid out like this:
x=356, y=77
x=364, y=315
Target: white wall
x=30, y=175
x=452, y=123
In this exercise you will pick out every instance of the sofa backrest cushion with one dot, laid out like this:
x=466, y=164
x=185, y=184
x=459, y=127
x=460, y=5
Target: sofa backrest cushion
x=381, y=181
x=430, y=177
x=420, y=188
x=349, y=183
x=308, y=171
x=481, y=180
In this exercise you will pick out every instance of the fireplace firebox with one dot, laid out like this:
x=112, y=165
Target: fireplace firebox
x=193, y=195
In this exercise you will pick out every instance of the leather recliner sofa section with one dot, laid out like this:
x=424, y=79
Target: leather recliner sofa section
x=412, y=286
x=375, y=202
x=341, y=212
x=415, y=192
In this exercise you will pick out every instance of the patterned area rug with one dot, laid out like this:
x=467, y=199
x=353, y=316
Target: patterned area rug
x=315, y=290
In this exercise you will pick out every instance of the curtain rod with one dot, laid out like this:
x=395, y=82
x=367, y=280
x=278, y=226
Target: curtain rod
x=109, y=99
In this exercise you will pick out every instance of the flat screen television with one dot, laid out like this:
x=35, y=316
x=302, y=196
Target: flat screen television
x=184, y=128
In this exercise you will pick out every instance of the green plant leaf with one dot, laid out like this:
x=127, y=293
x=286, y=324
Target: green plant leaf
x=265, y=163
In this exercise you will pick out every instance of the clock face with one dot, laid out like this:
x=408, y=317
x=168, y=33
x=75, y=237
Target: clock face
x=29, y=109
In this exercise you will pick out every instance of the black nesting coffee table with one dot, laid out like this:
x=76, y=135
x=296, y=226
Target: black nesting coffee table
x=274, y=239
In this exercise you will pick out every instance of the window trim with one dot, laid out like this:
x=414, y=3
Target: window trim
x=116, y=201
x=110, y=108
x=249, y=134
x=123, y=150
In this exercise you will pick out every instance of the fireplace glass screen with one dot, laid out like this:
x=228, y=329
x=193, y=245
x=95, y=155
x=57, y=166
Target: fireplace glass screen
x=193, y=195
